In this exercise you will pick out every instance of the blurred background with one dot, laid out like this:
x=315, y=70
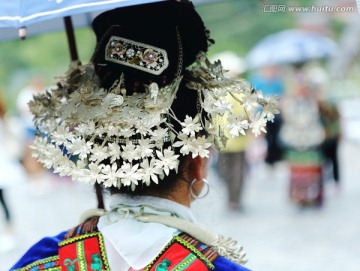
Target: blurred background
x=299, y=188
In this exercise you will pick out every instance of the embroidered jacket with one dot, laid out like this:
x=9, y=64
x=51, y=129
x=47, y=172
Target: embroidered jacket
x=86, y=252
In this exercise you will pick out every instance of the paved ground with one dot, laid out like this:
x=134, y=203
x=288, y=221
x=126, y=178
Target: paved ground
x=276, y=234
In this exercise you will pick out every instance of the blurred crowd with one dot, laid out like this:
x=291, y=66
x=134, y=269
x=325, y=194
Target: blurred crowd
x=304, y=137
x=18, y=167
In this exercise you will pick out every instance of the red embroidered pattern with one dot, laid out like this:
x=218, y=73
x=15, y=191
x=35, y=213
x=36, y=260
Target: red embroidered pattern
x=82, y=253
x=87, y=252
x=184, y=253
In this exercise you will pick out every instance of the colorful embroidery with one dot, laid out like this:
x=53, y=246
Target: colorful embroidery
x=136, y=55
x=205, y=250
x=87, y=253
x=70, y=264
x=84, y=253
x=184, y=252
x=163, y=265
x=96, y=262
x=48, y=264
x=185, y=263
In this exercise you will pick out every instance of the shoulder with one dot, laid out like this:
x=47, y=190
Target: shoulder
x=43, y=252
x=54, y=253
x=224, y=264
x=184, y=252
x=48, y=252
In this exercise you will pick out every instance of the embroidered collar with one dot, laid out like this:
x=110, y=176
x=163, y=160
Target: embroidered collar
x=136, y=242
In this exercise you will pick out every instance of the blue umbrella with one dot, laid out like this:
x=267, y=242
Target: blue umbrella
x=20, y=14
x=290, y=46
x=29, y=15
x=78, y=20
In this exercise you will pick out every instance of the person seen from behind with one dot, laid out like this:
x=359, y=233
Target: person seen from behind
x=138, y=123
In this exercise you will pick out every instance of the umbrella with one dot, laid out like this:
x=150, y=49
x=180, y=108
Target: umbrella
x=290, y=46
x=67, y=23
x=29, y=16
x=57, y=24
x=20, y=14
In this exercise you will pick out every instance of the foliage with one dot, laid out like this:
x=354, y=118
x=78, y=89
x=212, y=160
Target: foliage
x=238, y=25
x=46, y=55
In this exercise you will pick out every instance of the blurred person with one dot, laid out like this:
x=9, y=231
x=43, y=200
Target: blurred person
x=330, y=120
x=232, y=165
x=11, y=174
x=37, y=175
x=269, y=81
x=231, y=160
x=302, y=135
x=36, y=86
x=139, y=119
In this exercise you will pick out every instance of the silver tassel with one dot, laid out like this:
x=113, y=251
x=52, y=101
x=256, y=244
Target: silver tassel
x=227, y=248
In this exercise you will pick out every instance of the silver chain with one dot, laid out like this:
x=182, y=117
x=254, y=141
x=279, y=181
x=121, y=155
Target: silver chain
x=181, y=53
x=123, y=211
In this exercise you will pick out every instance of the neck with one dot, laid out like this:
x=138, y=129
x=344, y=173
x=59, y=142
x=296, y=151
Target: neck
x=181, y=195
x=184, y=200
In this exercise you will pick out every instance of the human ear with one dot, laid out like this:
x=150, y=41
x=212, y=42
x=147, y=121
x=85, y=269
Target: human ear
x=199, y=166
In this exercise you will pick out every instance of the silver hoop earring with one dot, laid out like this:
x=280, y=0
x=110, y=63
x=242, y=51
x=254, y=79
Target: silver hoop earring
x=207, y=189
